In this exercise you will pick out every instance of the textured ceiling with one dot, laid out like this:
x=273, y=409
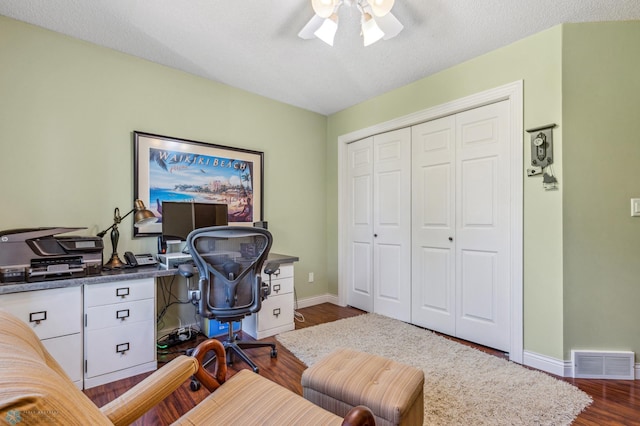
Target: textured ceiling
x=253, y=44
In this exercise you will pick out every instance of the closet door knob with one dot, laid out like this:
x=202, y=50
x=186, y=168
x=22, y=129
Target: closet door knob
x=375, y=235
x=450, y=238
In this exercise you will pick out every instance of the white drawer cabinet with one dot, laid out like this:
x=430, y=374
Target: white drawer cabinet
x=277, y=312
x=56, y=317
x=119, y=333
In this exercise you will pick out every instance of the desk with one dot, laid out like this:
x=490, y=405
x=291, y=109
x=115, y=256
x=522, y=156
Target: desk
x=100, y=328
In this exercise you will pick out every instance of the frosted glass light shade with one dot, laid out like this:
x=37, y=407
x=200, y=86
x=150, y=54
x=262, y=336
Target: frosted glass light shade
x=389, y=25
x=371, y=32
x=328, y=29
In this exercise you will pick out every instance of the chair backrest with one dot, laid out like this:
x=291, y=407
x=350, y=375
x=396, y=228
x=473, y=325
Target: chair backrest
x=229, y=261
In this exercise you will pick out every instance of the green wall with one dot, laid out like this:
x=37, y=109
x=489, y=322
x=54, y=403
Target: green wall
x=601, y=112
x=67, y=112
x=537, y=61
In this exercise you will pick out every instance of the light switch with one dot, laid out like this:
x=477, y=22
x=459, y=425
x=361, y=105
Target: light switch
x=635, y=207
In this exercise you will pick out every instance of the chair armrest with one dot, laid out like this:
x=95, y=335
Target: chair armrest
x=271, y=267
x=139, y=399
x=359, y=416
x=142, y=397
x=210, y=382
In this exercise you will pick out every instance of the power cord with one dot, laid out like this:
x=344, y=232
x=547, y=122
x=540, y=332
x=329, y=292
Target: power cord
x=167, y=295
x=296, y=315
x=176, y=337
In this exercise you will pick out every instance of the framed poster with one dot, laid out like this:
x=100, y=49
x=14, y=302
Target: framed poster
x=172, y=169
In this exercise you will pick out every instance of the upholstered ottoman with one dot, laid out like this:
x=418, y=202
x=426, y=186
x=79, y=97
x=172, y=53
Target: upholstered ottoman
x=346, y=378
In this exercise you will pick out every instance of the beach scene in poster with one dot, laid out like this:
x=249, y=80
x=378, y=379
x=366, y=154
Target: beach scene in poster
x=187, y=177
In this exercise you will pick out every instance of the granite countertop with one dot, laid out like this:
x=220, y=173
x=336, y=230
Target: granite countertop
x=113, y=275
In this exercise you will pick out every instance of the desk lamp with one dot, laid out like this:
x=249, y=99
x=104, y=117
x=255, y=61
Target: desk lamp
x=142, y=216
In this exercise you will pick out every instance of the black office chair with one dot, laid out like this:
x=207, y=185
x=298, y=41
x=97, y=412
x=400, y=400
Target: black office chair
x=229, y=261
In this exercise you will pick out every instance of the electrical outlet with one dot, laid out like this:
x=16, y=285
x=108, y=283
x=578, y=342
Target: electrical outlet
x=194, y=295
x=310, y=277
x=635, y=207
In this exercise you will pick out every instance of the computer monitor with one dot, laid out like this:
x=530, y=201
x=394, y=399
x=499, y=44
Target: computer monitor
x=180, y=218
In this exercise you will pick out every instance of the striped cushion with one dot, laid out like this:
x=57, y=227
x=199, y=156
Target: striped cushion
x=131, y=405
x=248, y=399
x=33, y=387
x=347, y=378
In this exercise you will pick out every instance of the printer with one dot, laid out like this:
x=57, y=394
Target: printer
x=39, y=254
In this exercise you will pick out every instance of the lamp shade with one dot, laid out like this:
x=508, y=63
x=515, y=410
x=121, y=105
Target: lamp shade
x=381, y=7
x=142, y=215
x=323, y=8
x=328, y=29
x=371, y=32
x=389, y=25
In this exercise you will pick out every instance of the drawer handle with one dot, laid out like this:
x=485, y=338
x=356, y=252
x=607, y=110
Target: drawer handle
x=37, y=316
x=122, y=348
x=276, y=288
x=276, y=312
x=123, y=314
x=122, y=292
x=277, y=272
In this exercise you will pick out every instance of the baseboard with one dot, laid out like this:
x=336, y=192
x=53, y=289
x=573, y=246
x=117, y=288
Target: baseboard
x=316, y=300
x=547, y=364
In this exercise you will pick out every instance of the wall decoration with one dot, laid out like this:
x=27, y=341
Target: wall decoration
x=172, y=169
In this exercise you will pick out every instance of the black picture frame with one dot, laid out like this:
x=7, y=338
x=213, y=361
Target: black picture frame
x=173, y=169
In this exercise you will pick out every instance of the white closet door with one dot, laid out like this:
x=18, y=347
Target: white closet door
x=360, y=225
x=461, y=225
x=433, y=248
x=483, y=225
x=392, y=224
x=379, y=231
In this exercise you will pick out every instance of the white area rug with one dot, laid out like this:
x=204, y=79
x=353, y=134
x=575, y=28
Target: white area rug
x=463, y=386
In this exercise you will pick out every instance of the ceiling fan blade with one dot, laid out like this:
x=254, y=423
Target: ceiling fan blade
x=390, y=25
x=311, y=27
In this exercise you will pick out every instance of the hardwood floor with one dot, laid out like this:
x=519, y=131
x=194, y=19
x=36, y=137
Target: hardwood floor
x=615, y=402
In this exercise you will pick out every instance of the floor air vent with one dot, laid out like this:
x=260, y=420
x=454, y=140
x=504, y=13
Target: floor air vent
x=603, y=365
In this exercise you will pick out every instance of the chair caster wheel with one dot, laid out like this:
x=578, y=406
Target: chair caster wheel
x=274, y=353
x=194, y=385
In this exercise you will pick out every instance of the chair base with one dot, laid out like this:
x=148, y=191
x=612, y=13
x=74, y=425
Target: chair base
x=236, y=347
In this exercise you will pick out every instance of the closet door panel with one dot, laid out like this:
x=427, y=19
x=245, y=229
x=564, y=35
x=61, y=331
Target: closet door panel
x=360, y=229
x=392, y=224
x=478, y=201
x=483, y=226
x=479, y=287
x=361, y=275
x=433, y=225
x=388, y=261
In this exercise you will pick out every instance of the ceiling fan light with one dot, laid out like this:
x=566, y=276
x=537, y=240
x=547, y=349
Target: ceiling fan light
x=328, y=29
x=311, y=27
x=381, y=7
x=389, y=25
x=323, y=8
x=371, y=32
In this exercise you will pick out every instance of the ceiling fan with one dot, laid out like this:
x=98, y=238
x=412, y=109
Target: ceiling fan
x=377, y=21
